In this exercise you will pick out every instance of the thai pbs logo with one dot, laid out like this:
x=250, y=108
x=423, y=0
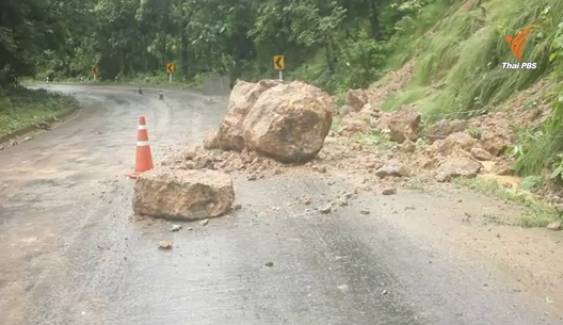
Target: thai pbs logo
x=517, y=44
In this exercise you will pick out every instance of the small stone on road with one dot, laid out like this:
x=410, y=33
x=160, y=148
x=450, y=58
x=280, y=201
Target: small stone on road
x=165, y=244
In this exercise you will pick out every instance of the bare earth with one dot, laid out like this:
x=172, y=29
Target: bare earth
x=73, y=253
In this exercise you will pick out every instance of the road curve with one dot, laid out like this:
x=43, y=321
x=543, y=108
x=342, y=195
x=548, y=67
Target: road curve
x=73, y=253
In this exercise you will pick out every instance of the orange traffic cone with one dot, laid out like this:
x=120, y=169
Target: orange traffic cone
x=144, y=157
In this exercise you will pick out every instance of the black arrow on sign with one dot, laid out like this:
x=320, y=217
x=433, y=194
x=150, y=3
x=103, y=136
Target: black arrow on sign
x=279, y=60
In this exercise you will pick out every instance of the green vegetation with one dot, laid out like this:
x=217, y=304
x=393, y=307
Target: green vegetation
x=538, y=213
x=22, y=108
x=459, y=69
x=335, y=44
x=374, y=138
x=541, y=149
x=459, y=60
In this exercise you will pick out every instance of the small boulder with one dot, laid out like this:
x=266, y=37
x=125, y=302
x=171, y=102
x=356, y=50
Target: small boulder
x=356, y=99
x=392, y=168
x=408, y=146
x=555, y=226
x=354, y=123
x=183, y=194
x=496, y=142
x=503, y=168
x=401, y=125
x=481, y=154
x=460, y=139
x=443, y=128
x=165, y=245
x=458, y=165
x=289, y=122
x=389, y=191
x=326, y=209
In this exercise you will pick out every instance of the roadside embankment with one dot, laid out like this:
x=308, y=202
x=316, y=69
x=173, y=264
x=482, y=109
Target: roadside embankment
x=23, y=110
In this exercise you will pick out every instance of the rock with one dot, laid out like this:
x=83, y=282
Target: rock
x=345, y=110
x=365, y=211
x=408, y=146
x=165, y=245
x=183, y=194
x=320, y=169
x=443, y=128
x=289, y=122
x=555, y=226
x=44, y=126
x=392, y=169
x=461, y=140
x=326, y=209
x=204, y=222
x=176, y=228
x=243, y=97
x=481, y=154
x=496, y=142
x=354, y=123
x=401, y=125
x=269, y=264
x=356, y=99
x=503, y=168
x=342, y=202
x=237, y=207
x=389, y=191
x=458, y=165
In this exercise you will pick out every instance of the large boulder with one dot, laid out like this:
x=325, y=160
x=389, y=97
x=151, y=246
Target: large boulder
x=401, y=125
x=183, y=194
x=289, y=122
x=243, y=97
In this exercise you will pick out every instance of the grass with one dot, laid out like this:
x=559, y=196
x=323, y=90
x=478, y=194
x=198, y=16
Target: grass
x=539, y=149
x=459, y=73
x=539, y=213
x=374, y=138
x=21, y=108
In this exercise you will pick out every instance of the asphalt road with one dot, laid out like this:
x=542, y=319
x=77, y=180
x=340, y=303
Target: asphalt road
x=73, y=253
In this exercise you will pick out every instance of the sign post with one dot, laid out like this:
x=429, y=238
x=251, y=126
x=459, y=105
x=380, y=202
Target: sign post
x=170, y=69
x=95, y=72
x=279, y=64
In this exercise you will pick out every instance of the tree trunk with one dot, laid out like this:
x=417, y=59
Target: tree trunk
x=184, y=55
x=374, y=20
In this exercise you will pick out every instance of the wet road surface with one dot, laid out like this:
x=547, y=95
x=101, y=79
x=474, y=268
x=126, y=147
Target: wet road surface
x=73, y=253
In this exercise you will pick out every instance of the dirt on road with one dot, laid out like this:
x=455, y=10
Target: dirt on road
x=74, y=253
